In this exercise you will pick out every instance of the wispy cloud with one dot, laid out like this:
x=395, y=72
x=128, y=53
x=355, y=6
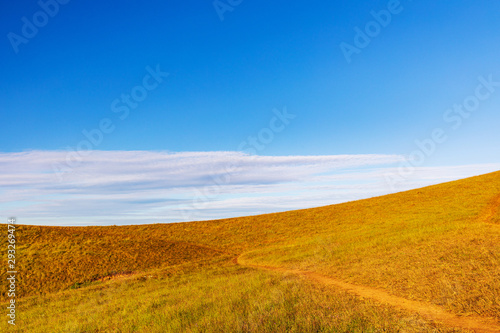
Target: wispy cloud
x=118, y=187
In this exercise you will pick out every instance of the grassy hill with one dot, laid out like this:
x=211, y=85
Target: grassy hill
x=437, y=245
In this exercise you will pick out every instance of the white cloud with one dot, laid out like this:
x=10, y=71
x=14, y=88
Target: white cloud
x=118, y=187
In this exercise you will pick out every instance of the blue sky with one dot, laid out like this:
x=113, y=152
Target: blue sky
x=227, y=79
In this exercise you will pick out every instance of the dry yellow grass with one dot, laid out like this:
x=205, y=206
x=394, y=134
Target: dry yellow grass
x=58, y=258
x=214, y=296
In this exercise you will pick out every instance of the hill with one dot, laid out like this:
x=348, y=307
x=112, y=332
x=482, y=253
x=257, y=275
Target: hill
x=436, y=245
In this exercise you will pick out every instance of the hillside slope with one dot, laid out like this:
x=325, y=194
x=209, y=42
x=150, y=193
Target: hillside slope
x=437, y=244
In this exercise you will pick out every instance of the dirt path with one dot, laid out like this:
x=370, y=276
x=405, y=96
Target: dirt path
x=428, y=311
x=490, y=211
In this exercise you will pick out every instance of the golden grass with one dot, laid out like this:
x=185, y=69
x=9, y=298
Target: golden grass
x=218, y=296
x=57, y=258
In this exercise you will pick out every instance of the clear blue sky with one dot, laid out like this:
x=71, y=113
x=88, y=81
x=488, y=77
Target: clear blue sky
x=226, y=76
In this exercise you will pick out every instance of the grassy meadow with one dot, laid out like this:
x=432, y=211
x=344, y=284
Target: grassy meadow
x=437, y=244
x=216, y=296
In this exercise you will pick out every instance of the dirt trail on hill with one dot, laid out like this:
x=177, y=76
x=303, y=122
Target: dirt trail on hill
x=490, y=211
x=428, y=311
